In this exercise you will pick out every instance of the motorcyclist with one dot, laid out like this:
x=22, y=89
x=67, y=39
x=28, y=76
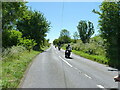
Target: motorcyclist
x=59, y=46
x=55, y=46
x=68, y=50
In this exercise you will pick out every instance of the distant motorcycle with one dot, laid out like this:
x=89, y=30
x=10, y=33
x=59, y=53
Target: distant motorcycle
x=59, y=48
x=67, y=53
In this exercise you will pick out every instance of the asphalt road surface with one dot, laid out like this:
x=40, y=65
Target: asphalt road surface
x=51, y=69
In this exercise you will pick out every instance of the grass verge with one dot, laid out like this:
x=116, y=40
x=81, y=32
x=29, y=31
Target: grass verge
x=100, y=59
x=13, y=69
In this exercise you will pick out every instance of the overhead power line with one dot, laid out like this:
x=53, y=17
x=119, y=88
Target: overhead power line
x=62, y=14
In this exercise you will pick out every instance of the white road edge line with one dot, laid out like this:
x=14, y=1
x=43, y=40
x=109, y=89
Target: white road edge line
x=88, y=76
x=66, y=62
x=100, y=86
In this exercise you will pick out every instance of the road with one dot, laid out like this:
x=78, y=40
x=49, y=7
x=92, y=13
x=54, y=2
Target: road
x=51, y=69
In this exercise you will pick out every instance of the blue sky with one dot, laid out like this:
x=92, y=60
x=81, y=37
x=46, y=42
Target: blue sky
x=66, y=15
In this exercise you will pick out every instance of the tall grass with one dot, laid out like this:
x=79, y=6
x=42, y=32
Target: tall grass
x=14, y=63
x=12, y=53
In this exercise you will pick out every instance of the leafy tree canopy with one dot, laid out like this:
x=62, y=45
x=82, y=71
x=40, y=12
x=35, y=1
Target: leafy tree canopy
x=65, y=36
x=11, y=12
x=86, y=30
x=34, y=26
x=110, y=29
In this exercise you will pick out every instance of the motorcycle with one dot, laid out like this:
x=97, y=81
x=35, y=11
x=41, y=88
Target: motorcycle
x=67, y=53
x=55, y=46
x=117, y=78
x=59, y=48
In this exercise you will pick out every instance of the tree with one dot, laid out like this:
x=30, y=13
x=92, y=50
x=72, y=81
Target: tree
x=34, y=26
x=76, y=36
x=86, y=30
x=46, y=42
x=11, y=12
x=56, y=41
x=22, y=26
x=65, y=36
x=109, y=28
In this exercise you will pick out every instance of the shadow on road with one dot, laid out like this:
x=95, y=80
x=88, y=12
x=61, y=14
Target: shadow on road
x=113, y=70
x=44, y=51
x=69, y=58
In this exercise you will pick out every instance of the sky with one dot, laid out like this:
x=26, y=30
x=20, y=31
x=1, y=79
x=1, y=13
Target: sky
x=66, y=15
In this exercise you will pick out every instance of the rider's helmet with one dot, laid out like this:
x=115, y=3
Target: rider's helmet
x=68, y=44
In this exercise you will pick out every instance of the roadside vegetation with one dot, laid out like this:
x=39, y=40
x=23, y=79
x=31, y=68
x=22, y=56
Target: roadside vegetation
x=104, y=47
x=14, y=63
x=23, y=37
x=94, y=50
x=24, y=32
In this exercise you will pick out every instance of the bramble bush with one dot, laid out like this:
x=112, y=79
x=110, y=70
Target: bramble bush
x=96, y=46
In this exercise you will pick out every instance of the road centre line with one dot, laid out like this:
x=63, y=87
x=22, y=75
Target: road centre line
x=70, y=64
x=100, y=86
x=87, y=76
x=66, y=62
x=74, y=67
x=77, y=69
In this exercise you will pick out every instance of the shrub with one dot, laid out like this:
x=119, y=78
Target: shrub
x=27, y=43
x=10, y=38
x=96, y=46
